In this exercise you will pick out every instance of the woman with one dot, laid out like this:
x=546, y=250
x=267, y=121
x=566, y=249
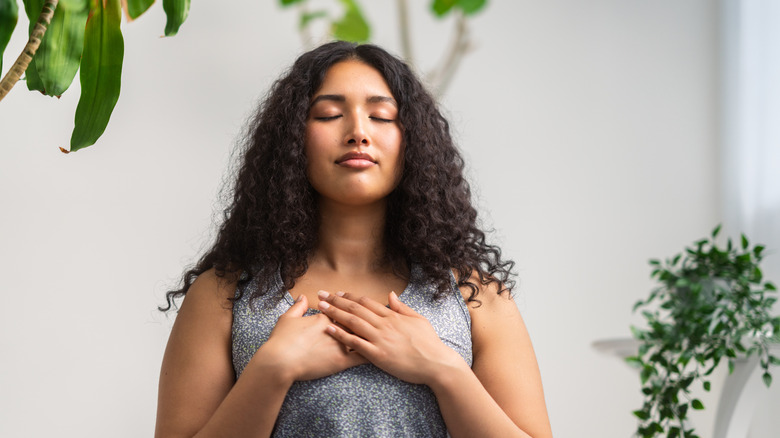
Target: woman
x=350, y=189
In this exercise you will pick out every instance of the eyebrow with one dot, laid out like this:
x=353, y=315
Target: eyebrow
x=342, y=98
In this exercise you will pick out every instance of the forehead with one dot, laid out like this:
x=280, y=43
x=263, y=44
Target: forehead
x=353, y=77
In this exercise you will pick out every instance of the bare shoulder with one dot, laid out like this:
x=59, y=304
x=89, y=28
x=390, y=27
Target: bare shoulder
x=197, y=372
x=504, y=359
x=493, y=311
x=210, y=291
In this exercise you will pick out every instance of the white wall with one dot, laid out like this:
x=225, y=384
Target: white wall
x=590, y=130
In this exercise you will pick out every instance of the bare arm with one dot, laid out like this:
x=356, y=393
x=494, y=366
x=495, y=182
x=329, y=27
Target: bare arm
x=197, y=379
x=501, y=395
x=198, y=393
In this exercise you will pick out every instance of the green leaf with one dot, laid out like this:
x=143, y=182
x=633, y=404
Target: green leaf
x=646, y=372
x=32, y=79
x=767, y=379
x=634, y=361
x=442, y=7
x=770, y=286
x=642, y=415
x=176, y=11
x=744, y=242
x=716, y=231
x=774, y=360
x=470, y=7
x=697, y=404
x=309, y=16
x=289, y=2
x=59, y=55
x=707, y=385
x=674, y=432
x=682, y=411
x=352, y=26
x=101, y=73
x=731, y=366
x=9, y=15
x=33, y=9
x=137, y=7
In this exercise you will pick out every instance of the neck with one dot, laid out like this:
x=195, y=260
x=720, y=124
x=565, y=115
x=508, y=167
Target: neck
x=351, y=238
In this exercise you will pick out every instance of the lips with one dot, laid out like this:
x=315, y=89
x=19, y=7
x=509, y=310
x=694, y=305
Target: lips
x=356, y=160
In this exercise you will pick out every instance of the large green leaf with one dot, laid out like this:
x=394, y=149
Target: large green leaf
x=9, y=15
x=352, y=26
x=101, y=73
x=137, y=7
x=58, y=57
x=33, y=9
x=176, y=11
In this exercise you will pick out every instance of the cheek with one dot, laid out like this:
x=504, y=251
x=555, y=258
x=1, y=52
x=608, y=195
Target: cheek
x=399, y=162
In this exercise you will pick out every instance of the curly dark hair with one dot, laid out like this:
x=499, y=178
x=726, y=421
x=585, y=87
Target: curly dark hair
x=272, y=223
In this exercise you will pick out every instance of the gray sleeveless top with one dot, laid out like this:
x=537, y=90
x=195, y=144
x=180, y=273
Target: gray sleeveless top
x=361, y=401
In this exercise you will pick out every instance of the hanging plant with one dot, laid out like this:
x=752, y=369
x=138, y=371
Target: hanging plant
x=67, y=36
x=712, y=305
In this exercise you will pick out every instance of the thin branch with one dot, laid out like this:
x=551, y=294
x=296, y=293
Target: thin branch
x=304, y=31
x=406, y=38
x=440, y=77
x=23, y=61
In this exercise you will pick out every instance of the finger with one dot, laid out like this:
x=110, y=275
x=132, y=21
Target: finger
x=365, y=308
x=357, y=344
x=372, y=305
x=348, y=318
x=353, y=358
x=298, y=308
x=326, y=320
x=397, y=306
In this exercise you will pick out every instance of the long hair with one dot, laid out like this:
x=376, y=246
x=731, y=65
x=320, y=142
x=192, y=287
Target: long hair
x=272, y=222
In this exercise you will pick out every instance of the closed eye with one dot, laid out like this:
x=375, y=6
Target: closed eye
x=380, y=119
x=325, y=119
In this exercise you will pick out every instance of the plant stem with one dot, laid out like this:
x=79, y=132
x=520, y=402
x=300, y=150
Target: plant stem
x=403, y=24
x=306, y=38
x=23, y=61
x=461, y=43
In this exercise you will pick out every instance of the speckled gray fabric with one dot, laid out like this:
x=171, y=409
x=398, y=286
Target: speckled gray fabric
x=362, y=401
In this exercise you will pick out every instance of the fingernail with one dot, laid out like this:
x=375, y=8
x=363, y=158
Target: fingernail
x=324, y=305
x=298, y=300
x=330, y=329
x=340, y=293
x=392, y=292
x=322, y=294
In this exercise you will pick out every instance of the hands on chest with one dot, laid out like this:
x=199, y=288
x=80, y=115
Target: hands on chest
x=356, y=330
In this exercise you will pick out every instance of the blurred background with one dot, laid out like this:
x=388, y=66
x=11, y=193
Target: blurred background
x=598, y=134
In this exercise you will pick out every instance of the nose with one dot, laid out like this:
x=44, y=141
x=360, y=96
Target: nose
x=356, y=132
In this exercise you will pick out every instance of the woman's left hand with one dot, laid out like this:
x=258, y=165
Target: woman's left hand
x=398, y=340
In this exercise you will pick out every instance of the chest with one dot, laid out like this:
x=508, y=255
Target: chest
x=376, y=286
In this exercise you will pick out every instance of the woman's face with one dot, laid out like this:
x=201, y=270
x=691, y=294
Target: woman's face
x=353, y=140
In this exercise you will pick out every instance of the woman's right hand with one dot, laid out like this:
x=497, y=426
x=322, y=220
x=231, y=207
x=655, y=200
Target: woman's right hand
x=300, y=348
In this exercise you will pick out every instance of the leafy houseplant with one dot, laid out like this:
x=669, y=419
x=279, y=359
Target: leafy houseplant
x=67, y=36
x=712, y=304
x=70, y=36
